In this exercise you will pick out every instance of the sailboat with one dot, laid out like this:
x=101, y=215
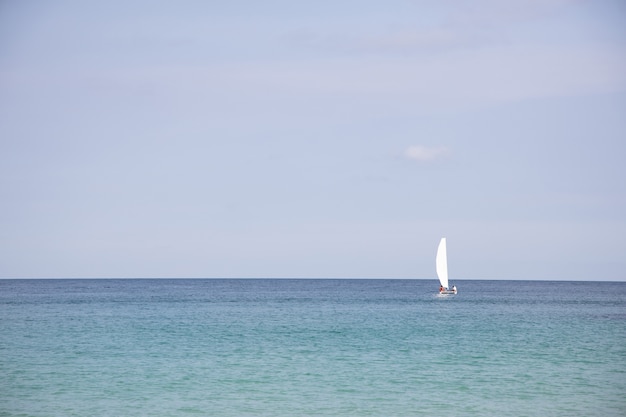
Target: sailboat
x=441, y=263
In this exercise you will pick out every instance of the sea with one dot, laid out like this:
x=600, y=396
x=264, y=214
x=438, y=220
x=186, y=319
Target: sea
x=318, y=347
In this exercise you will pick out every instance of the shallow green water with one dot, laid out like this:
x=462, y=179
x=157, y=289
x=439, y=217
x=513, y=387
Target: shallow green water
x=311, y=347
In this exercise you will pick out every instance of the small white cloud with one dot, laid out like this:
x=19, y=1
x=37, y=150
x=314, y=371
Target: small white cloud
x=424, y=153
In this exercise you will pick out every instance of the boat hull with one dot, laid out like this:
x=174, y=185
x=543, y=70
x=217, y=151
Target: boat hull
x=447, y=292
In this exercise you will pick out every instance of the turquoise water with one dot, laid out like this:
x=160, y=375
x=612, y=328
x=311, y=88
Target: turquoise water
x=311, y=347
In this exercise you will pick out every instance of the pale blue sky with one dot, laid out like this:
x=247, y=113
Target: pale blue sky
x=327, y=139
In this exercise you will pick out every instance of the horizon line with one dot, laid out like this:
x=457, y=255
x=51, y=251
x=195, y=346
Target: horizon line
x=308, y=278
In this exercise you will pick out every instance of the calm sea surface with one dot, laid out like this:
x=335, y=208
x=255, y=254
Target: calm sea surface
x=311, y=347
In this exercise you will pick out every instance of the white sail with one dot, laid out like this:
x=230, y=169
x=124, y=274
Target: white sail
x=442, y=263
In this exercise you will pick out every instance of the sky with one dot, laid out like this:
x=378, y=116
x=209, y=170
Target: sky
x=327, y=139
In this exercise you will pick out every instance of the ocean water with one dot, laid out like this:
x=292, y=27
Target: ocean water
x=311, y=348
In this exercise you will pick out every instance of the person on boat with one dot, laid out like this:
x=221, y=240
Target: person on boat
x=441, y=288
x=454, y=288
